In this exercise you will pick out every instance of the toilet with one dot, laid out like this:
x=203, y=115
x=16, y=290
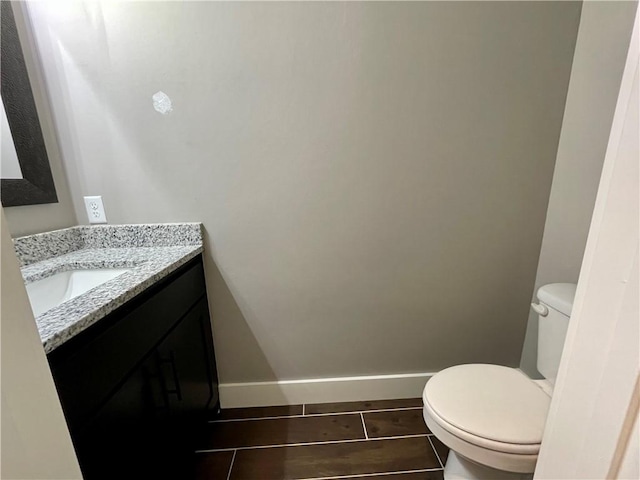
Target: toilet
x=492, y=417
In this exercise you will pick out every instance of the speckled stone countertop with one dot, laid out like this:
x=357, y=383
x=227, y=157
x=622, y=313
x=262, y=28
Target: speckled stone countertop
x=151, y=252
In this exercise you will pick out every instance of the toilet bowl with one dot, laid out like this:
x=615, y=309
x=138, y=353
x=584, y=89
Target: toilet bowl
x=492, y=417
x=488, y=414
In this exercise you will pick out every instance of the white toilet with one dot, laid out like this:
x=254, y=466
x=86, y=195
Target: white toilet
x=492, y=417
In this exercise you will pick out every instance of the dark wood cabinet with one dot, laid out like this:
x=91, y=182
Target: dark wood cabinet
x=120, y=440
x=184, y=361
x=137, y=386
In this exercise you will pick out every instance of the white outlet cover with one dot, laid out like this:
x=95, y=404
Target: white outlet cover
x=95, y=209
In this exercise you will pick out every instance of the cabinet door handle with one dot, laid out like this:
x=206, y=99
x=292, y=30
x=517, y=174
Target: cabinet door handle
x=176, y=382
x=149, y=381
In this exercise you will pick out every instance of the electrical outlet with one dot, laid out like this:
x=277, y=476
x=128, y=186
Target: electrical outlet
x=95, y=209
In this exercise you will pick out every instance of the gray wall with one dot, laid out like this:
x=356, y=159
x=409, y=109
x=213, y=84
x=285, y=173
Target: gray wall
x=601, y=51
x=35, y=439
x=41, y=218
x=373, y=177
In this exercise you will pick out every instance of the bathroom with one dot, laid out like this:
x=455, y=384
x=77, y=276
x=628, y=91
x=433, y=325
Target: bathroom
x=382, y=186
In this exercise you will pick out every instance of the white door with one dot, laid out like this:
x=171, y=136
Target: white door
x=591, y=430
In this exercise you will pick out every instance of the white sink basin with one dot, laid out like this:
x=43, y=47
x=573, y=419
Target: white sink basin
x=50, y=292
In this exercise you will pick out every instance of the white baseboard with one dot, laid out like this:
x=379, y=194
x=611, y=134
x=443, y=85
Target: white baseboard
x=323, y=390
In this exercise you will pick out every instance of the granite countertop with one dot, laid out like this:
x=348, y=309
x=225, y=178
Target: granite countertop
x=150, y=251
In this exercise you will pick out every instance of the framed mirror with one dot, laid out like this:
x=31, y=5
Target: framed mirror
x=26, y=177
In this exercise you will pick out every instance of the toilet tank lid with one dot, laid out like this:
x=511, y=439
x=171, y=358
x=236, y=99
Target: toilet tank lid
x=558, y=296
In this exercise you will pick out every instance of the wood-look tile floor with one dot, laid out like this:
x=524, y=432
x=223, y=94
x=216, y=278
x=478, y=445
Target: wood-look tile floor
x=379, y=440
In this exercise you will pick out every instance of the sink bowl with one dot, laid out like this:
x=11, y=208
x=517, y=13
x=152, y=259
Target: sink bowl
x=50, y=292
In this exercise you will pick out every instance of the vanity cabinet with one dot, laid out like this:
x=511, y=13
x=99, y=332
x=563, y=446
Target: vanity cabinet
x=137, y=386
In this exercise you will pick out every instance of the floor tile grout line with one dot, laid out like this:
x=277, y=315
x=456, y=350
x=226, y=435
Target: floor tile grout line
x=364, y=426
x=436, y=452
x=304, y=444
x=276, y=417
x=368, y=475
x=231, y=466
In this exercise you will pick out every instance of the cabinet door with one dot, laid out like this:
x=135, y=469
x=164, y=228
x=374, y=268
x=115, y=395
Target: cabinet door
x=124, y=439
x=188, y=374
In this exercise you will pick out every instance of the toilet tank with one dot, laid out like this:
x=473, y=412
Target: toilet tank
x=554, y=310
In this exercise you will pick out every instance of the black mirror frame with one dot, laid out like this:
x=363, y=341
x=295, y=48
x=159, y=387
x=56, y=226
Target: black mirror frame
x=36, y=185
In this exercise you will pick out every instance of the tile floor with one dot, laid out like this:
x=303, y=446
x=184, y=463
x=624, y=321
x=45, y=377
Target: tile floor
x=383, y=440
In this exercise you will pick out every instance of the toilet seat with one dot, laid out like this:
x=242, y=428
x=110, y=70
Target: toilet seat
x=518, y=449
x=491, y=414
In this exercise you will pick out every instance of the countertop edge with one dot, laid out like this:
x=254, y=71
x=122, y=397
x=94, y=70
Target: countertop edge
x=53, y=341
